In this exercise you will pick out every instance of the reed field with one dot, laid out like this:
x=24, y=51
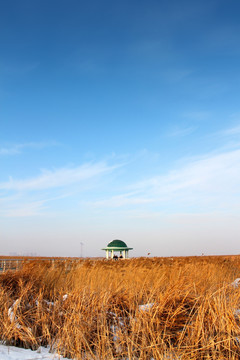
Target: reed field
x=143, y=308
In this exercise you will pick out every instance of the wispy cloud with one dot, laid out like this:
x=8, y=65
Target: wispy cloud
x=180, y=132
x=58, y=177
x=21, y=205
x=232, y=131
x=131, y=198
x=211, y=173
x=197, y=115
x=24, y=209
x=33, y=196
x=206, y=183
x=229, y=138
x=176, y=75
x=18, y=148
x=209, y=183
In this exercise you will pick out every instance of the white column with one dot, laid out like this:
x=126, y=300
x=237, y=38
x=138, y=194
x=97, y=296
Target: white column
x=112, y=254
x=124, y=254
x=107, y=254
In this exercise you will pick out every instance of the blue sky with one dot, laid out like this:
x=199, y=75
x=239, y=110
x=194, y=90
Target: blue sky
x=119, y=120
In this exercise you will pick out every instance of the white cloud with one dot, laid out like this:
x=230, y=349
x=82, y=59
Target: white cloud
x=9, y=151
x=202, y=184
x=24, y=209
x=58, y=178
x=22, y=204
x=122, y=200
x=213, y=174
x=197, y=115
x=18, y=148
x=184, y=131
x=33, y=196
x=176, y=75
x=232, y=131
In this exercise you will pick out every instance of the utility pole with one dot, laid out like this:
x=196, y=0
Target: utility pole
x=81, y=244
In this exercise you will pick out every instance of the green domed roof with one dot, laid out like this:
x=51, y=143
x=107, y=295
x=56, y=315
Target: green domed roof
x=117, y=243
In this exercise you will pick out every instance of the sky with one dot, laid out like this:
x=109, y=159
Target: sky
x=119, y=120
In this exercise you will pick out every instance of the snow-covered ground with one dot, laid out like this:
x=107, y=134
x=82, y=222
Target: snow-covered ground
x=14, y=353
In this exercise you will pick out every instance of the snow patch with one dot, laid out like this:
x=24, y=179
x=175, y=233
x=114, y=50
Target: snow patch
x=11, y=313
x=14, y=353
x=146, y=307
x=236, y=283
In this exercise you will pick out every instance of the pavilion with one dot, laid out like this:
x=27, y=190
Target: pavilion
x=117, y=246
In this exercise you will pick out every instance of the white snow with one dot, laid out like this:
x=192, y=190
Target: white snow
x=235, y=284
x=11, y=313
x=237, y=313
x=146, y=307
x=14, y=353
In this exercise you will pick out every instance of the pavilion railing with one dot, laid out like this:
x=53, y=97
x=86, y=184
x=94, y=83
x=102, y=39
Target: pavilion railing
x=10, y=264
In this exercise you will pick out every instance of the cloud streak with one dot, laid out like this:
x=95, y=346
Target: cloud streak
x=200, y=184
x=232, y=131
x=58, y=178
x=210, y=183
x=211, y=172
x=131, y=198
x=21, y=205
x=34, y=196
x=180, y=132
x=18, y=148
x=24, y=209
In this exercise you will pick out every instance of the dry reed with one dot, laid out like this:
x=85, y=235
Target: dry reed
x=173, y=308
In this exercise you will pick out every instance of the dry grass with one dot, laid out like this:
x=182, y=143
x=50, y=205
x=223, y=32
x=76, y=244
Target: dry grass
x=190, y=312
